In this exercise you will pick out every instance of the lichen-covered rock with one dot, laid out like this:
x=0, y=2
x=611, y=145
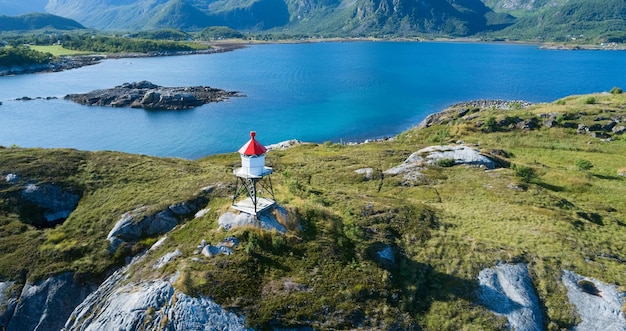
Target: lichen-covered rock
x=598, y=304
x=506, y=289
x=47, y=304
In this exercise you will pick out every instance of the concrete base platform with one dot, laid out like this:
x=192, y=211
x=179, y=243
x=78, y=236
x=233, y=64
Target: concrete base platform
x=246, y=205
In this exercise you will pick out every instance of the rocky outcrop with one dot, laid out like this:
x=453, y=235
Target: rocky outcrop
x=148, y=305
x=410, y=169
x=447, y=155
x=225, y=247
x=467, y=108
x=56, y=203
x=266, y=220
x=42, y=204
x=47, y=304
x=284, y=144
x=507, y=290
x=8, y=299
x=150, y=96
x=137, y=224
x=598, y=304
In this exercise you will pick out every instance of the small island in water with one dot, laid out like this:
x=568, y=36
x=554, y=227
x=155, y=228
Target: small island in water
x=147, y=95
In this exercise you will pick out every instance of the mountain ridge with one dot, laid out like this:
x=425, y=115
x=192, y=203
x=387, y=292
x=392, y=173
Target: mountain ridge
x=37, y=21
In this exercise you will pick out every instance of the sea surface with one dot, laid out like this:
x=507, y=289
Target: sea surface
x=316, y=92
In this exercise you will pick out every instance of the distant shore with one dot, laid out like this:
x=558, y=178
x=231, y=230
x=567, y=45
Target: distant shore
x=78, y=61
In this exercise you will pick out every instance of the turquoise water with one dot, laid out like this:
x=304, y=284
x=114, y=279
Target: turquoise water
x=313, y=92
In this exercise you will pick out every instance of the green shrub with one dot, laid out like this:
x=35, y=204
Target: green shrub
x=590, y=100
x=490, y=124
x=446, y=163
x=524, y=173
x=583, y=165
x=616, y=90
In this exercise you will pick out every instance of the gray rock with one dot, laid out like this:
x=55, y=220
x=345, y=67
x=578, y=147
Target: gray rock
x=47, y=304
x=11, y=178
x=284, y=144
x=410, y=169
x=148, y=305
x=550, y=123
x=460, y=154
x=225, y=247
x=367, y=172
x=387, y=254
x=507, y=290
x=56, y=202
x=165, y=259
x=8, y=299
x=619, y=129
x=264, y=221
x=609, y=126
x=136, y=224
x=149, y=96
x=597, y=312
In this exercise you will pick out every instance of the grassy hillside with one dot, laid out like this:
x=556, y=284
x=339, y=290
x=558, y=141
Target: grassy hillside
x=559, y=205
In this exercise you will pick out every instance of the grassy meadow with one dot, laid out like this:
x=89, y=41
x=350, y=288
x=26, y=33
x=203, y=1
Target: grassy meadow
x=559, y=205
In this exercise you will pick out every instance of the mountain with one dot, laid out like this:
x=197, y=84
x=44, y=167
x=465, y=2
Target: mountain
x=35, y=21
x=597, y=21
x=351, y=18
x=179, y=14
x=13, y=7
x=488, y=204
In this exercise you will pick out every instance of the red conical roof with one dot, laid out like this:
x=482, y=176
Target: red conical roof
x=252, y=147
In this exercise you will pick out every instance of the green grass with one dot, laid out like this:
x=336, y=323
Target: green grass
x=56, y=50
x=328, y=274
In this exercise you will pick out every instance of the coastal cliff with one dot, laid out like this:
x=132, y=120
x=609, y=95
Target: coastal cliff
x=488, y=215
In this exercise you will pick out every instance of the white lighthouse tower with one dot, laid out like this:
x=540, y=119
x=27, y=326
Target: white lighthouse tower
x=253, y=179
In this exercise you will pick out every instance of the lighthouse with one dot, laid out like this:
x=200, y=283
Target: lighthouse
x=253, y=183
